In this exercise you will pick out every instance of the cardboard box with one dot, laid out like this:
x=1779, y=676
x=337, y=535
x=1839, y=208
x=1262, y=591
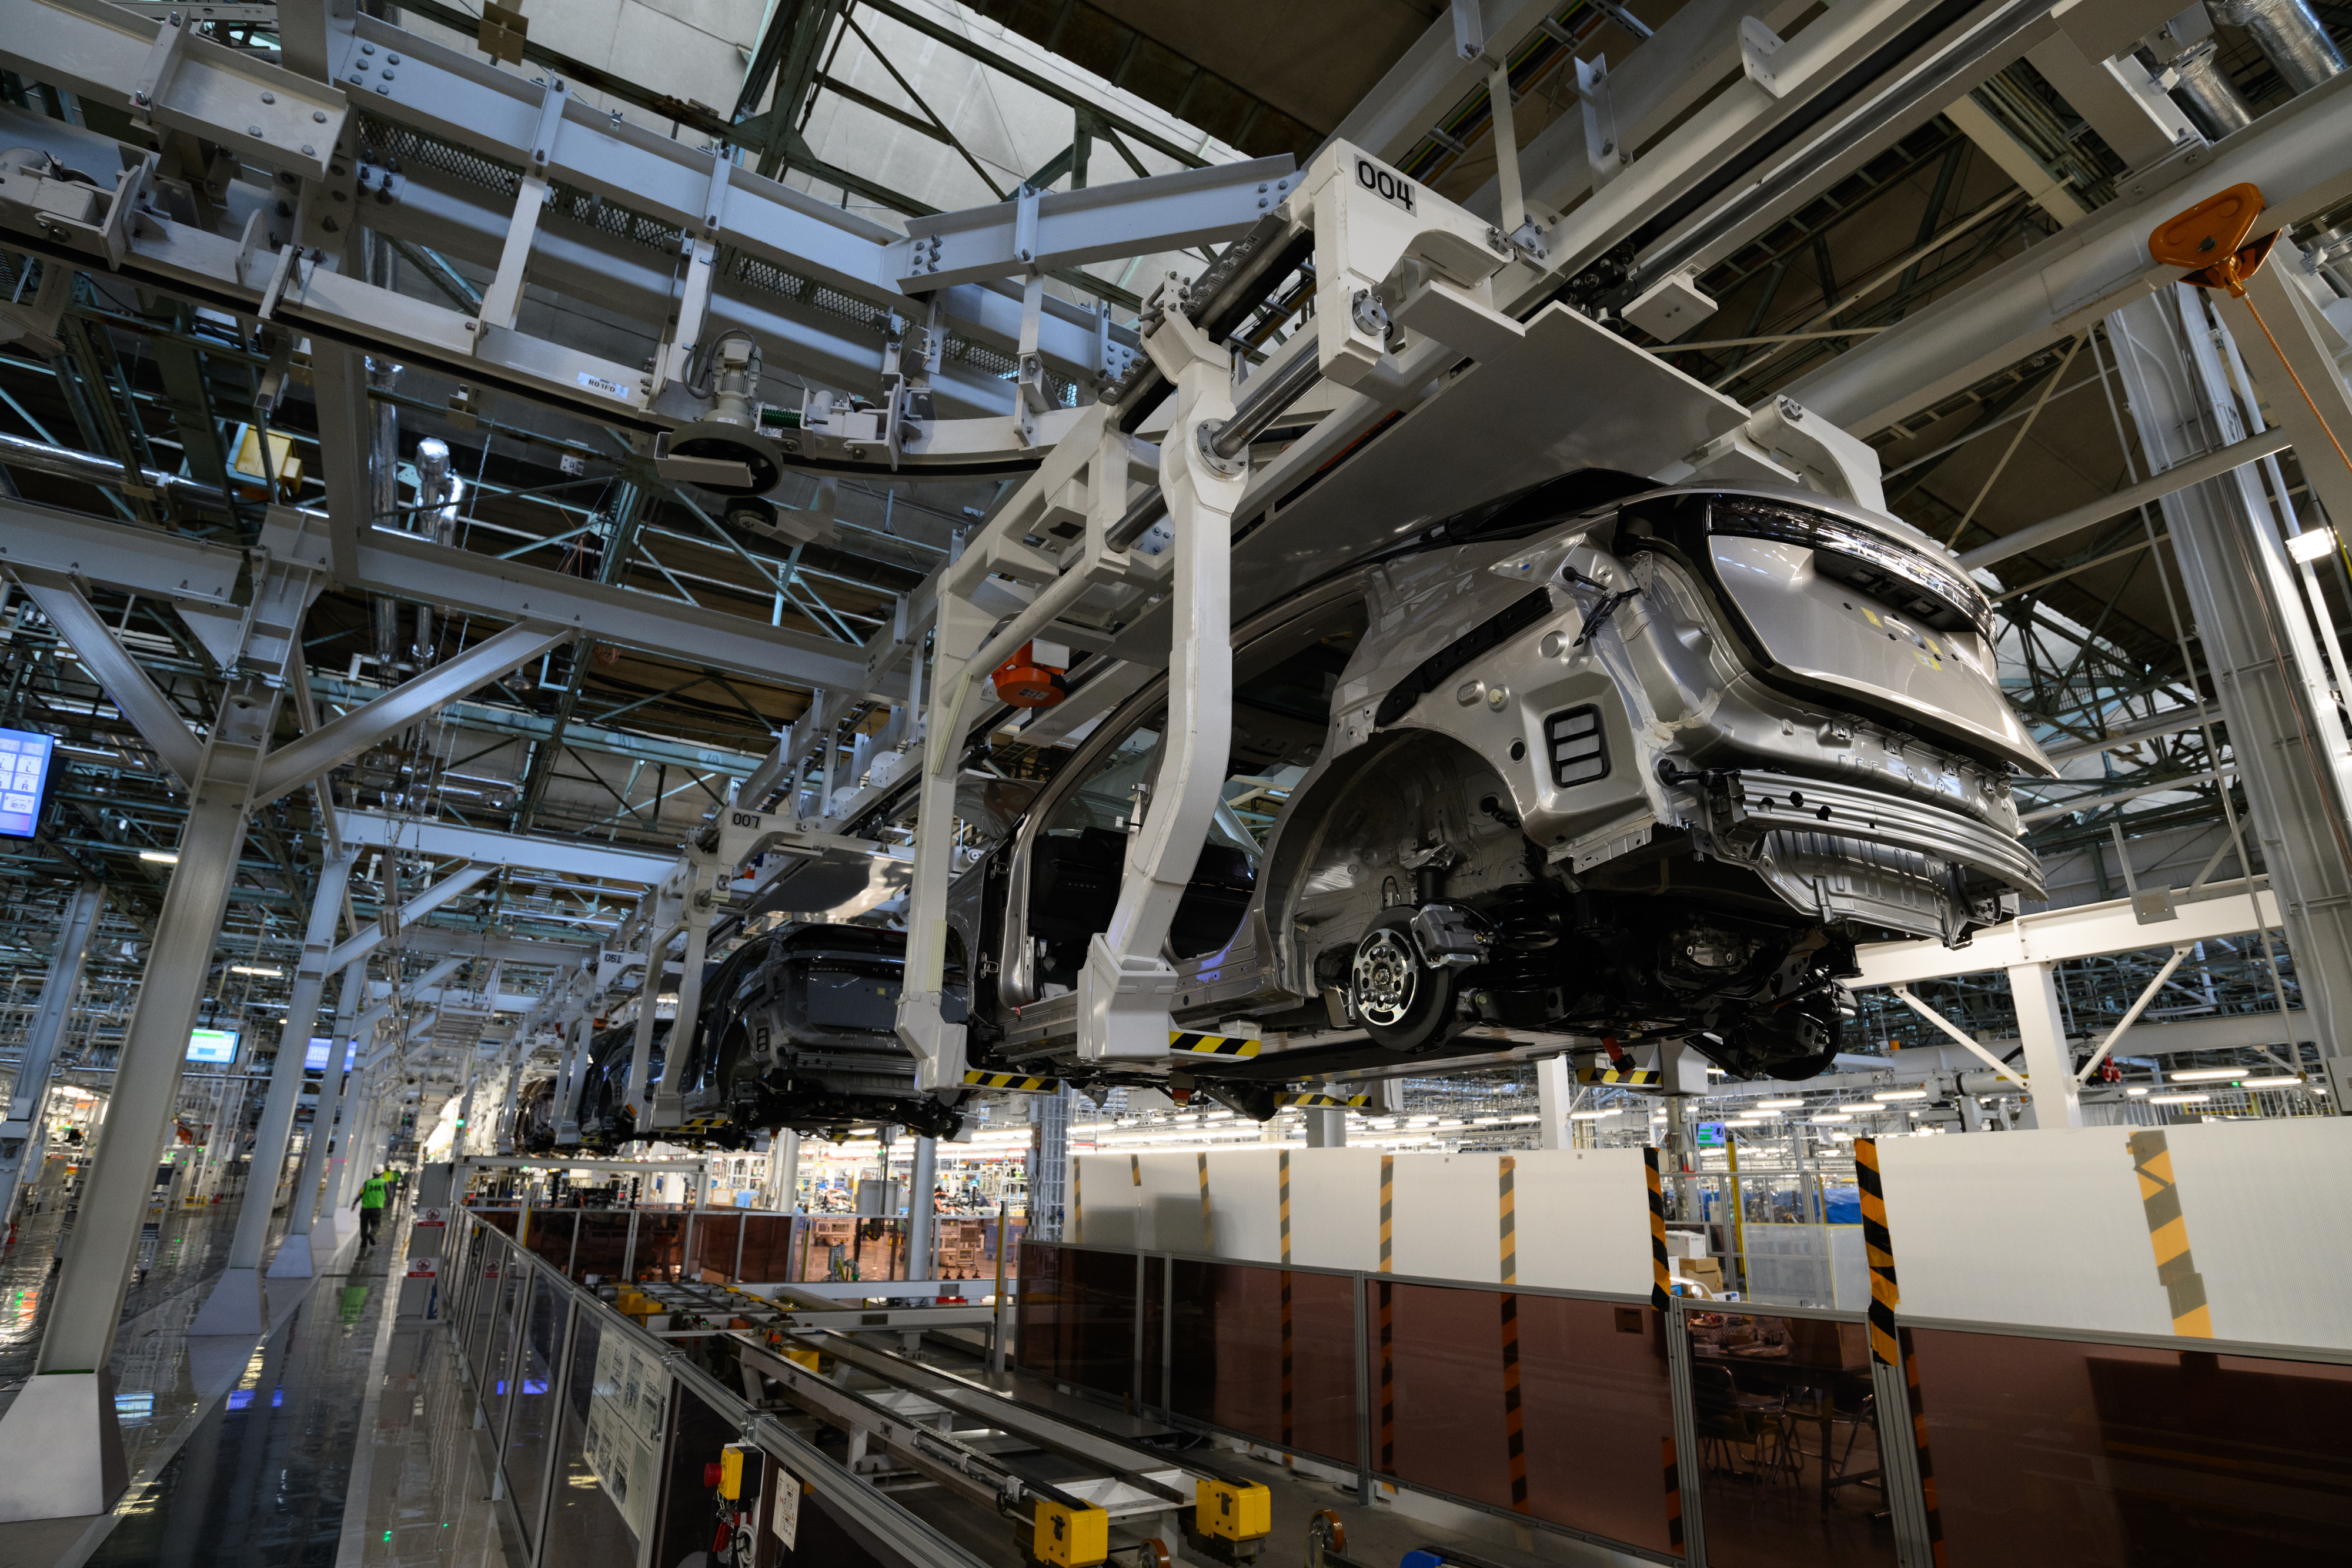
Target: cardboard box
x=1707, y=1272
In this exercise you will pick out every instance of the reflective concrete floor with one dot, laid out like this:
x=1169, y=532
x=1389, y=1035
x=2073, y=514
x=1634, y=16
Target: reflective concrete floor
x=248, y=1453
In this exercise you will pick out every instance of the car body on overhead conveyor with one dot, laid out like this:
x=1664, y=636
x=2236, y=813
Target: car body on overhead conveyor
x=796, y=1030
x=1598, y=759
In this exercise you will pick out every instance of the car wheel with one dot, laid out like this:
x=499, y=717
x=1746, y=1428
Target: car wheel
x=1402, y=1002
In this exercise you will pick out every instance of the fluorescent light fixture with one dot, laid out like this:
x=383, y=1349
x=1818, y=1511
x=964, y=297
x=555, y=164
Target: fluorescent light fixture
x=1589, y=1115
x=2312, y=544
x=262, y=970
x=2279, y=1083
x=2209, y=1074
x=2178, y=1099
x=1778, y=1104
x=1902, y=1094
x=160, y=857
x=1832, y=1116
x=2142, y=1090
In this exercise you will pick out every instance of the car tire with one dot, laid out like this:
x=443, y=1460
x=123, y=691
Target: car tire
x=1404, y=1003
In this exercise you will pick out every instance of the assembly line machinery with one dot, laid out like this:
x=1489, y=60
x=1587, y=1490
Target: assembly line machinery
x=1139, y=510
x=1166, y=489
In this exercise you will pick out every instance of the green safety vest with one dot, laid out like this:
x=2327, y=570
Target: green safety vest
x=371, y=1193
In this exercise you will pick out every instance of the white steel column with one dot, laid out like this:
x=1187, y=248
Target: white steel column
x=1049, y=1162
x=2049, y=1066
x=1555, y=1095
x=1326, y=1128
x=20, y=1133
x=352, y=1143
x=294, y=1259
x=60, y=1451
x=221, y=1138
x=238, y=1304
x=2253, y=636
x=458, y=1148
x=503, y=1133
x=784, y=1172
x=921, y=1208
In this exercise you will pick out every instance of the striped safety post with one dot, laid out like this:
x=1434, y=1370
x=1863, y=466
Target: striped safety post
x=1661, y=1290
x=1919, y=1444
x=1288, y=1405
x=1388, y=1314
x=1208, y=1234
x=1878, y=1249
x=1515, y=1437
x=1674, y=1468
x=2167, y=1234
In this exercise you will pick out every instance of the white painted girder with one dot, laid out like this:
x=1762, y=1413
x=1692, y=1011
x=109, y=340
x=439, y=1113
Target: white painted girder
x=2085, y=931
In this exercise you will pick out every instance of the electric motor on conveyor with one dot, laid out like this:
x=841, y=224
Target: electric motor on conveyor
x=1032, y=676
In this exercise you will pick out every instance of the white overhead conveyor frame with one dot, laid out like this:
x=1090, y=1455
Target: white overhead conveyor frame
x=1382, y=242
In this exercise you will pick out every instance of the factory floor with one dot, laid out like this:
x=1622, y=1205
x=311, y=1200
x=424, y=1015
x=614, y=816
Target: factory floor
x=248, y=1451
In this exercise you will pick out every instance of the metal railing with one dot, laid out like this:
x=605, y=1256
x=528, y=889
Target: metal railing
x=603, y=1452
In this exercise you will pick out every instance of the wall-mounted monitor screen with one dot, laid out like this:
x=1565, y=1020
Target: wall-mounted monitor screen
x=214, y=1046
x=315, y=1058
x=26, y=760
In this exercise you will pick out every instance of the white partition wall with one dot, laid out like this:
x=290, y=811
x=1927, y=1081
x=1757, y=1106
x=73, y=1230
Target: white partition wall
x=1580, y=1216
x=2050, y=1230
x=2045, y=1230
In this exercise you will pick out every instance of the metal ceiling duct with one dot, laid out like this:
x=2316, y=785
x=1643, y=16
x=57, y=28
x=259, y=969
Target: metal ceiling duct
x=2289, y=37
x=2204, y=91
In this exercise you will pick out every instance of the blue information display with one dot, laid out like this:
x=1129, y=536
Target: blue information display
x=215, y=1046
x=24, y=762
x=315, y=1058
x=1710, y=1135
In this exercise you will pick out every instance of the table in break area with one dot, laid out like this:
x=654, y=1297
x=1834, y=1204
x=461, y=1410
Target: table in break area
x=1790, y=1374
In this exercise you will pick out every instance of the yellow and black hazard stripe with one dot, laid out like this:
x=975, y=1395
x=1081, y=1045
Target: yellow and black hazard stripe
x=1284, y=1163
x=1288, y=1365
x=2167, y=1233
x=1189, y=1044
x=1674, y=1494
x=1327, y=1102
x=1515, y=1437
x=1208, y=1234
x=1077, y=1211
x=1661, y=1291
x=1135, y=1168
x=1620, y=1076
x=1879, y=1250
x=1919, y=1442
x=1387, y=1315
x=1020, y=1083
x=1388, y=1213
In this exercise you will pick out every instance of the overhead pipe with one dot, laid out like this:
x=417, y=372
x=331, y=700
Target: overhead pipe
x=2289, y=37
x=66, y=463
x=2204, y=91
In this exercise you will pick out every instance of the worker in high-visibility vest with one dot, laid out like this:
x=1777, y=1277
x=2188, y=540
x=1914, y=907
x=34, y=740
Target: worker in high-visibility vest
x=370, y=1203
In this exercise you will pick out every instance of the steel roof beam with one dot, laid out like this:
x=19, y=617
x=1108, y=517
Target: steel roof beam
x=2294, y=153
x=487, y=847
